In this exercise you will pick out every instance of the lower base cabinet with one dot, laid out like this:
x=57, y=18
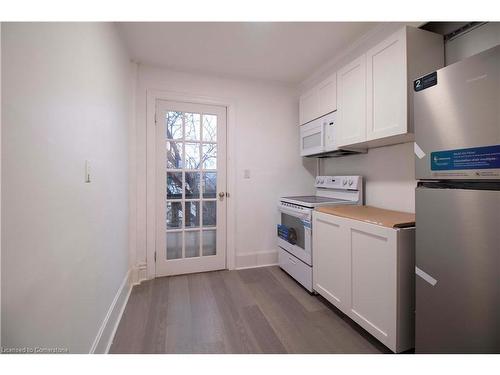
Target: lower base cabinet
x=367, y=271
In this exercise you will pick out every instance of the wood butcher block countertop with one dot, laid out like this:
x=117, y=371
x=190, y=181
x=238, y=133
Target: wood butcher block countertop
x=372, y=215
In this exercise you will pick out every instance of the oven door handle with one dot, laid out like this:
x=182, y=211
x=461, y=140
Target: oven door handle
x=299, y=215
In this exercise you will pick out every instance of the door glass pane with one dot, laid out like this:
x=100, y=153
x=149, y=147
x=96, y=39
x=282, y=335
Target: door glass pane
x=209, y=242
x=174, y=245
x=174, y=215
x=209, y=184
x=192, y=126
x=174, y=125
x=192, y=214
x=192, y=156
x=311, y=141
x=174, y=155
x=192, y=186
x=209, y=128
x=174, y=185
x=296, y=228
x=209, y=213
x=210, y=156
x=192, y=244
x=191, y=179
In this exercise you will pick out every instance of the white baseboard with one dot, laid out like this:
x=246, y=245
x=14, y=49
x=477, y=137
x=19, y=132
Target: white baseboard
x=106, y=333
x=139, y=274
x=257, y=259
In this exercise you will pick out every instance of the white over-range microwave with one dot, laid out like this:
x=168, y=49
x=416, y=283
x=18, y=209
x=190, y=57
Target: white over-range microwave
x=321, y=137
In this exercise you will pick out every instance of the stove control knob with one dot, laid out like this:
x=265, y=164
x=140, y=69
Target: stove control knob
x=344, y=182
x=351, y=182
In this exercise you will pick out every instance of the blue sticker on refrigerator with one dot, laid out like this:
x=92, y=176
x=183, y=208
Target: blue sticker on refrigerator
x=487, y=157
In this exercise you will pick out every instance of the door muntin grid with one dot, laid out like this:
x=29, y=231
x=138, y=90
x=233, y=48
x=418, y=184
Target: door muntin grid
x=191, y=184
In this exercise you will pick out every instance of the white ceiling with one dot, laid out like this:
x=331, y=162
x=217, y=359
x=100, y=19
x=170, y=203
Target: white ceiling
x=280, y=51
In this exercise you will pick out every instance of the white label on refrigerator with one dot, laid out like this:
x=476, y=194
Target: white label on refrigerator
x=425, y=276
x=418, y=151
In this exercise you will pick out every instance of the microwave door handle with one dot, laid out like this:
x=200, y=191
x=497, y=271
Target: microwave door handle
x=323, y=134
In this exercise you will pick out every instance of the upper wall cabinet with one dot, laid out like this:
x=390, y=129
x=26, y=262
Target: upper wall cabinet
x=375, y=106
x=327, y=95
x=386, y=85
x=319, y=100
x=351, y=111
x=309, y=106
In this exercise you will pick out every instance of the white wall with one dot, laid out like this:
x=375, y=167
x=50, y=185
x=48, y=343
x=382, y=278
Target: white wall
x=266, y=143
x=65, y=98
x=389, y=174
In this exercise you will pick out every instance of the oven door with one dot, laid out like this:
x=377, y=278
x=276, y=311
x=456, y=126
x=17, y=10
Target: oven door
x=294, y=232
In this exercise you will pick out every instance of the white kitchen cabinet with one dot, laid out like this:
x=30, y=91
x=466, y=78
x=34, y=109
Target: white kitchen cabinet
x=367, y=271
x=331, y=263
x=391, y=67
x=386, y=88
x=351, y=102
x=319, y=100
x=373, y=94
x=327, y=95
x=309, y=106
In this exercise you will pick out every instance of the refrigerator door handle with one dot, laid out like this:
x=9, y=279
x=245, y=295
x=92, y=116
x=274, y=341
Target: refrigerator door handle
x=425, y=276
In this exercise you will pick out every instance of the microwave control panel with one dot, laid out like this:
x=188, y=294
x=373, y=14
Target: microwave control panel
x=330, y=131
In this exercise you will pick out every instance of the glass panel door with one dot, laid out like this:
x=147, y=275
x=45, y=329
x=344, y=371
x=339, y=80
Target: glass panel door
x=191, y=198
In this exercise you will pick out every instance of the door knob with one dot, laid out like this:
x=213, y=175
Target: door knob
x=221, y=195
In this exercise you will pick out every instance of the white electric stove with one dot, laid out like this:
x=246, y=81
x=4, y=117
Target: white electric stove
x=294, y=229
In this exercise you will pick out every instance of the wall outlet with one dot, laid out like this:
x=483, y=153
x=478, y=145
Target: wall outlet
x=246, y=174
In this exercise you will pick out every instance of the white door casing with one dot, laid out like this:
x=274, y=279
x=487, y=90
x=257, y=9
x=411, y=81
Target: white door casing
x=190, y=209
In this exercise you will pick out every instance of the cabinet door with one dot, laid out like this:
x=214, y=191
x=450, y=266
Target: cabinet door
x=309, y=106
x=331, y=259
x=327, y=93
x=387, y=88
x=373, y=255
x=351, y=102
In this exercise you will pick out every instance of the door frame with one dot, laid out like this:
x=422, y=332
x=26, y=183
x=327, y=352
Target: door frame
x=152, y=97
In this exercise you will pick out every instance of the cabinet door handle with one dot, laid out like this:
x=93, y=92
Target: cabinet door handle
x=292, y=260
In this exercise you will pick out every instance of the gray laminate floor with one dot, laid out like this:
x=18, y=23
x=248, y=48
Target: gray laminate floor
x=260, y=310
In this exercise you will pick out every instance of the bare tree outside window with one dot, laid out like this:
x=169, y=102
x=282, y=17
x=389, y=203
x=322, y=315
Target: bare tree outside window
x=190, y=146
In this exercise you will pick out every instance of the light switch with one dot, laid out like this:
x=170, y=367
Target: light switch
x=246, y=174
x=87, y=172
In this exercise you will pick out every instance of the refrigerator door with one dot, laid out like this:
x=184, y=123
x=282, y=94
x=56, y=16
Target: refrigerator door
x=458, y=271
x=457, y=117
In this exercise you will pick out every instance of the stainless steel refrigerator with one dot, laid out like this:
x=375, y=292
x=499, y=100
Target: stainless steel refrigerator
x=457, y=163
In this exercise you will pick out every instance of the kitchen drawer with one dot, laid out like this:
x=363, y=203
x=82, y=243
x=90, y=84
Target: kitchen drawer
x=296, y=268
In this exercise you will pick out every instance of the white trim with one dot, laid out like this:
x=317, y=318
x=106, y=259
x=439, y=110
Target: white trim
x=107, y=330
x=257, y=259
x=152, y=96
x=257, y=266
x=139, y=274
